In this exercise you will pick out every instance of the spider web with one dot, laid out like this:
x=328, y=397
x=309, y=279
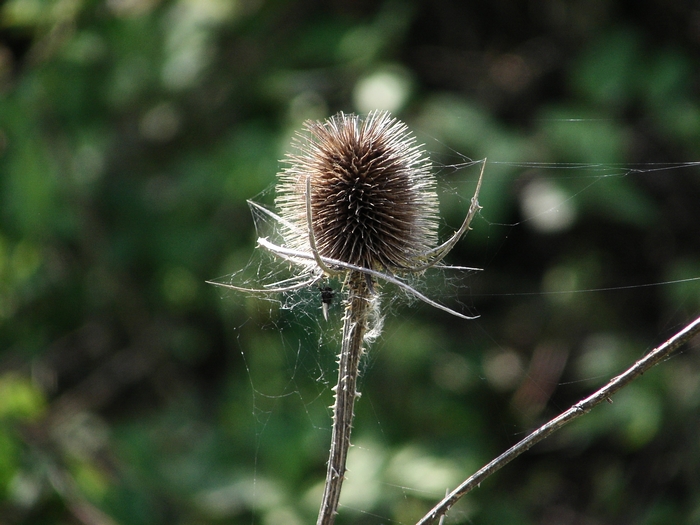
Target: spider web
x=277, y=275
x=308, y=343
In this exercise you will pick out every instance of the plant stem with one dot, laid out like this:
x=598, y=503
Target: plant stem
x=582, y=407
x=354, y=327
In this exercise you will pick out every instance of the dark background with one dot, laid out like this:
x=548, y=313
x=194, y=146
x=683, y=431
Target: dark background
x=132, y=133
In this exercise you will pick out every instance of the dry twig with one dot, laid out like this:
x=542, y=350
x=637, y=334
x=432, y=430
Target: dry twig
x=582, y=407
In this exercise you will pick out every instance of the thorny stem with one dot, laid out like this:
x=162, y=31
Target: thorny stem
x=582, y=407
x=354, y=327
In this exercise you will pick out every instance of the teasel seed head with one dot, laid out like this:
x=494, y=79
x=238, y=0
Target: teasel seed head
x=373, y=199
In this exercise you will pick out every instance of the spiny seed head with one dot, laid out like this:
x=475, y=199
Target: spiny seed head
x=373, y=199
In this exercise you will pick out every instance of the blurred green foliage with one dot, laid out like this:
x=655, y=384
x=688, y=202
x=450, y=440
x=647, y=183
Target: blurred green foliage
x=132, y=132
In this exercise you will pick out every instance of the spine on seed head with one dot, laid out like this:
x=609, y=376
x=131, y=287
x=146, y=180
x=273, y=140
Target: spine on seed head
x=373, y=198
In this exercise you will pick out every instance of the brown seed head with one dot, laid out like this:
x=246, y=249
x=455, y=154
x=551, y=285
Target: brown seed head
x=373, y=200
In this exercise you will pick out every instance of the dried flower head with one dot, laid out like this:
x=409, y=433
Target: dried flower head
x=373, y=199
x=372, y=209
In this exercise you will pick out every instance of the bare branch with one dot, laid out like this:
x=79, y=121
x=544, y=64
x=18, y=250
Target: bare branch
x=582, y=407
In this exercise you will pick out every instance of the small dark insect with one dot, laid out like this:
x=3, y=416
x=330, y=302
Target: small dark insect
x=327, y=295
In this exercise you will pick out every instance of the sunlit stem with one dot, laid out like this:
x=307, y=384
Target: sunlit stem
x=354, y=327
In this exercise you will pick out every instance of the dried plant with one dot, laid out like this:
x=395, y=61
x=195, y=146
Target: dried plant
x=357, y=200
